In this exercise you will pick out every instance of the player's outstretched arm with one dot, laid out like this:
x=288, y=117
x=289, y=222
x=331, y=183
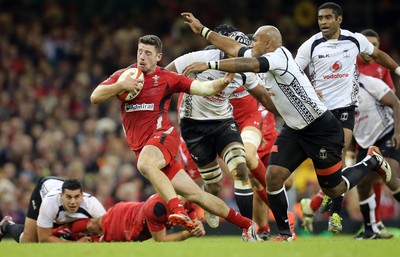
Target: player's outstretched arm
x=385, y=60
x=262, y=96
x=241, y=64
x=210, y=87
x=226, y=44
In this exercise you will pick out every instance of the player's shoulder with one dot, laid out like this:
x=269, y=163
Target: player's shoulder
x=369, y=82
x=347, y=34
x=89, y=198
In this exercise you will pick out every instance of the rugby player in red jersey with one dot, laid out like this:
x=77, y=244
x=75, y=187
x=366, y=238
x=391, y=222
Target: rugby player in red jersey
x=152, y=137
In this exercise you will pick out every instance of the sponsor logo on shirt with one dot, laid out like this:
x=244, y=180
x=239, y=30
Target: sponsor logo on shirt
x=215, y=99
x=138, y=107
x=336, y=66
x=321, y=56
x=336, y=76
x=239, y=94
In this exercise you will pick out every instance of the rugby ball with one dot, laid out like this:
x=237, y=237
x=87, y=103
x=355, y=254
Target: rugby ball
x=136, y=74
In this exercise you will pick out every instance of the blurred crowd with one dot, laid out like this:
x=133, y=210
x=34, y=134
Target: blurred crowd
x=53, y=54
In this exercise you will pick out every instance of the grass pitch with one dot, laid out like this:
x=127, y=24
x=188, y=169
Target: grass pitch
x=232, y=246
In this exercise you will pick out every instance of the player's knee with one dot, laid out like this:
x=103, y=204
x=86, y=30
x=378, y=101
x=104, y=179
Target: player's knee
x=255, y=183
x=235, y=158
x=29, y=237
x=333, y=192
x=289, y=183
x=214, y=188
x=143, y=168
x=276, y=177
x=211, y=175
x=242, y=172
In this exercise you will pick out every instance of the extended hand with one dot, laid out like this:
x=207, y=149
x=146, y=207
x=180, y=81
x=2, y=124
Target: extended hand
x=195, y=67
x=85, y=239
x=198, y=229
x=396, y=141
x=228, y=77
x=194, y=23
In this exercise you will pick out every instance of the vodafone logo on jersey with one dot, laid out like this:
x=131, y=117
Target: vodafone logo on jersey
x=336, y=67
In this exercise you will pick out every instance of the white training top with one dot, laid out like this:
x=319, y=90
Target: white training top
x=52, y=211
x=373, y=120
x=211, y=107
x=290, y=90
x=332, y=66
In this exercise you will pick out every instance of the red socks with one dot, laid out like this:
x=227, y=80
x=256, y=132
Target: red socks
x=378, y=193
x=316, y=201
x=259, y=173
x=235, y=218
x=263, y=195
x=176, y=206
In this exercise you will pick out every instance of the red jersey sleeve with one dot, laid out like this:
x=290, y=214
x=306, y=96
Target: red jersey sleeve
x=178, y=82
x=113, y=78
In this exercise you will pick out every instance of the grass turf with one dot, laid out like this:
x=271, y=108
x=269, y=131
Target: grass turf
x=231, y=246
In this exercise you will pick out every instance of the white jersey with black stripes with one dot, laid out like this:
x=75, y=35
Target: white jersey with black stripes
x=373, y=120
x=211, y=107
x=290, y=89
x=51, y=210
x=332, y=66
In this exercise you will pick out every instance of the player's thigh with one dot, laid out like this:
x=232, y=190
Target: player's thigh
x=160, y=149
x=30, y=231
x=200, y=141
x=287, y=151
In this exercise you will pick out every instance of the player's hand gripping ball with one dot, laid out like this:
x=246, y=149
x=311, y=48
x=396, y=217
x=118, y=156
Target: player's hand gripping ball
x=134, y=73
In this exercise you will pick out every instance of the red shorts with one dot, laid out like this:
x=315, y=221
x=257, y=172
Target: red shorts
x=168, y=143
x=270, y=134
x=187, y=162
x=253, y=119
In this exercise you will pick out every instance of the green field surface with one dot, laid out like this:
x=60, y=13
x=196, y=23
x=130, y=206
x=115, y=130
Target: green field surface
x=320, y=246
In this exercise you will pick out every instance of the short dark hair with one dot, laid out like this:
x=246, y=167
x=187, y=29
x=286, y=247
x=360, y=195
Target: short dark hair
x=370, y=33
x=336, y=9
x=71, y=184
x=152, y=40
x=225, y=29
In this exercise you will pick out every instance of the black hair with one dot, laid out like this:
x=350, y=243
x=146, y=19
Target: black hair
x=370, y=33
x=152, y=40
x=336, y=9
x=225, y=29
x=71, y=184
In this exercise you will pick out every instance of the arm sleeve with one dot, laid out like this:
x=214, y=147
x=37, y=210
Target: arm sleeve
x=366, y=47
x=245, y=51
x=113, y=78
x=47, y=212
x=96, y=209
x=303, y=57
x=252, y=80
